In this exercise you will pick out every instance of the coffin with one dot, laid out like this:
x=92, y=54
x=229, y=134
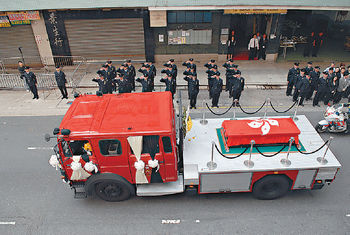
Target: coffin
x=269, y=131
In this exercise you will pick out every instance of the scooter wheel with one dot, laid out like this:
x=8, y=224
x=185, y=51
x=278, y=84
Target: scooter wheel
x=320, y=129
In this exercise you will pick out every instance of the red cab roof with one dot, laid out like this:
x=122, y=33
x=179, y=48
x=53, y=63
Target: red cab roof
x=129, y=113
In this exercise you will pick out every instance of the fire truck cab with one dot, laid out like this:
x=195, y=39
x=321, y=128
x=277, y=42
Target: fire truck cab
x=117, y=145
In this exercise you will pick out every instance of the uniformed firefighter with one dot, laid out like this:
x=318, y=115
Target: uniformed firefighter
x=111, y=74
x=31, y=81
x=211, y=72
x=102, y=82
x=230, y=71
x=242, y=81
x=297, y=84
x=192, y=86
x=303, y=87
x=170, y=74
x=169, y=84
x=190, y=64
x=321, y=89
x=216, y=90
x=145, y=80
x=61, y=82
x=292, y=78
x=132, y=74
x=124, y=86
x=153, y=73
x=236, y=87
x=314, y=79
x=330, y=88
x=309, y=67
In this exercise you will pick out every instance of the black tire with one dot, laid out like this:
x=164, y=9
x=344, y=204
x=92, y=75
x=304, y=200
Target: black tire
x=109, y=187
x=271, y=187
x=320, y=129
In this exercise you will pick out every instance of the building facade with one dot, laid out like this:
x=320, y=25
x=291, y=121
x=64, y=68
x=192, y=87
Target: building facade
x=153, y=31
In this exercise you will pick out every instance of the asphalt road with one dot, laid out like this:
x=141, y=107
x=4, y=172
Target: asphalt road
x=33, y=197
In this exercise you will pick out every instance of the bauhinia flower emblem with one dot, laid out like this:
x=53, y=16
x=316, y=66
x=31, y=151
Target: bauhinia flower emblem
x=264, y=124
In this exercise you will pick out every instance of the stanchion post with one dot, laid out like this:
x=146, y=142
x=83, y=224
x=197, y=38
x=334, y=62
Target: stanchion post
x=234, y=109
x=211, y=164
x=323, y=159
x=286, y=161
x=267, y=101
x=203, y=121
x=296, y=110
x=249, y=163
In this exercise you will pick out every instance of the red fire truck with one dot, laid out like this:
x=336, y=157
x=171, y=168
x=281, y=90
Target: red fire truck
x=119, y=145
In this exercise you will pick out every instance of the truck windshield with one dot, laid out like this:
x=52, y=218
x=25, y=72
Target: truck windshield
x=73, y=147
x=66, y=149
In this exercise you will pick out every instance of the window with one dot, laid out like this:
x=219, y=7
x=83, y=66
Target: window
x=77, y=146
x=150, y=144
x=110, y=147
x=167, y=144
x=66, y=149
x=188, y=17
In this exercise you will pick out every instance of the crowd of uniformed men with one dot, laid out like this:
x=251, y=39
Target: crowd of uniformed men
x=123, y=79
x=330, y=85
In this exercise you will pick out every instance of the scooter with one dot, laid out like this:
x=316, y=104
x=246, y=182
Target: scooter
x=336, y=119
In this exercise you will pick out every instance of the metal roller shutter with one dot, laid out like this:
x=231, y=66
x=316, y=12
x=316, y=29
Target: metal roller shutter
x=18, y=36
x=101, y=39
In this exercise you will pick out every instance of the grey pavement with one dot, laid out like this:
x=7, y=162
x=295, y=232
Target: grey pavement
x=20, y=103
x=256, y=73
x=35, y=199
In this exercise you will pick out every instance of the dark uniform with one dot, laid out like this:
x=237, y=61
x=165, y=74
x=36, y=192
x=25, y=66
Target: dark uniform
x=172, y=82
x=111, y=74
x=297, y=85
x=216, y=90
x=291, y=78
x=304, y=86
x=124, y=85
x=230, y=72
x=242, y=80
x=132, y=74
x=61, y=83
x=193, y=87
x=331, y=88
x=102, y=82
x=262, y=47
x=153, y=73
x=211, y=72
x=309, y=68
x=31, y=81
x=314, y=80
x=169, y=84
x=146, y=84
x=189, y=64
x=321, y=89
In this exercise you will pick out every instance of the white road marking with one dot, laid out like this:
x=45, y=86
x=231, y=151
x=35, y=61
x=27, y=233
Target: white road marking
x=198, y=221
x=347, y=215
x=171, y=221
x=7, y=223
x=39, y=148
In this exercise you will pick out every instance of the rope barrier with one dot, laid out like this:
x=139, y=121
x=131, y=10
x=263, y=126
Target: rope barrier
x=312, y=151
x=218, y=114
x=252, y=112
x=285, y=110
x=265, y=155
x=233, y=157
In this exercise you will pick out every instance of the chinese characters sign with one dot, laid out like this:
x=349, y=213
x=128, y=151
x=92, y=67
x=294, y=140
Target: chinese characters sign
x=56, y=34
x=4, y=21
x=17, y=18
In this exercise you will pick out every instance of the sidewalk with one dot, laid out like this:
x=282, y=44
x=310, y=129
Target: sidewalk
x=256, y=73
x=20, y=103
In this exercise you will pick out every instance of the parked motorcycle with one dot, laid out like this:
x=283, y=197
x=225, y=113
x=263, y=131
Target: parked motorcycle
x=336, y=119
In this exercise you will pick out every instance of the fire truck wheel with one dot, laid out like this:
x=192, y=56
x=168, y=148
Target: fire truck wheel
x=271, y=187
x=109, y=187
x=113, y=190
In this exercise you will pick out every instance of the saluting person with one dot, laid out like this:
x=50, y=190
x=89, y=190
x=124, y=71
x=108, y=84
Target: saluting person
x=192, y=87
x=292, y=78
x=321, y=90
x=61, y=82
x=190, y=64
x=216, y=90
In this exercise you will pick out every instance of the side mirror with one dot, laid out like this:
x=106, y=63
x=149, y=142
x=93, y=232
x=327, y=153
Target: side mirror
x=47, y=137
x=65, y=131
x=56, y=131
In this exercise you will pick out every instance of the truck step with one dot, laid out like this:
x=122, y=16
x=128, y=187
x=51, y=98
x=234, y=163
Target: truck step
x=80, y=195
x=78, y=184
x=159, y=189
